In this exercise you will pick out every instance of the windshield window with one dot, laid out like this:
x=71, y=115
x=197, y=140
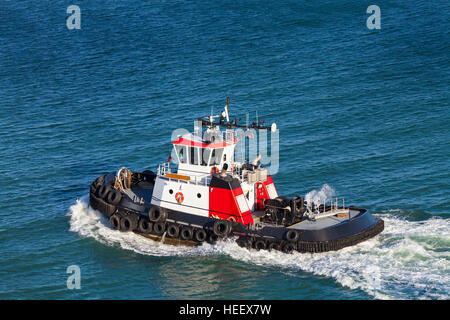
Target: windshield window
x=182, y=153
x=216, y=156
x=205, y=152
x=193, y=155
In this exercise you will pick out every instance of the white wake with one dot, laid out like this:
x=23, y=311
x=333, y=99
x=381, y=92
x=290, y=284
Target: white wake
x=409, y=260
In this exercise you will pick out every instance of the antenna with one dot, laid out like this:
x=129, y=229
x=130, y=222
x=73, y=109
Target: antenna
x=211, y=117
x=224, y=115
x=226, y=110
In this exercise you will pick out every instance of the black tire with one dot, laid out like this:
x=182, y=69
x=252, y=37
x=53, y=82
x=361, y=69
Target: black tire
x=99, y=181
x=274, y=246
x=114, y=222
x=221, y=228
x=93, y=188
x=288, y=248
x=157, y=214
x=173, y=230
x=97, y=189
x=114, y=197
x=159, y=228
x=260, y=245
x=103, y=191
x=292, y=235
x=128, y=223
x=145, y=226
x=212, y=238
x=186, y=233
x=200, y=235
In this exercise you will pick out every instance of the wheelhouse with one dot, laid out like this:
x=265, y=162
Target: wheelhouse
x=196, y=155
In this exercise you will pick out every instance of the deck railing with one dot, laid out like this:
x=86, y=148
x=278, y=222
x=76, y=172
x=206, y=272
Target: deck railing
x=166, y=172
x=327, y=209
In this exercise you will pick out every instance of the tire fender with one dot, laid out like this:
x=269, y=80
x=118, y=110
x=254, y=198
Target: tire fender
x=128, y=223
x=292, y=235
x=114, y=222
x=173, y=230
x=221, y=228
x=145, y=226
x=103, y=191
x=200, y=235
x=114, y=197
x=186, y=233
x=157, y=214
x=159, y=228
x=260, y=245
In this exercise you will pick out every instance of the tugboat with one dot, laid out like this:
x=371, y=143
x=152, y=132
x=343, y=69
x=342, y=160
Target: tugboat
x=208, y=196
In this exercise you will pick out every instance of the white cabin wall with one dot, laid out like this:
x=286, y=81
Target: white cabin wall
x=250, y=188
x=229, y=152
x=191, y=203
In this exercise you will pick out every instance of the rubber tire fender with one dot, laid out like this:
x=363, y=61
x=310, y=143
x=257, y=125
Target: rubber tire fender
x=173, y=230
x=99, y=181
x=97, y=189
x=128, y=223
x=292, y=235
x=221, y=228
x=274, y=246
x=288, y=248
x=186, y=233
x=260, y=245
x=159, y=228
x=103, y=191
x=212, y=238
x=145, y=226
x=157, y=214
x=200, y=235
x=114, y=197
x=114, y=222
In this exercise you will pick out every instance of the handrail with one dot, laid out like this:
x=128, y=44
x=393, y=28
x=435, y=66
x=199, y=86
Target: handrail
x=333, y=206
x=165, y=172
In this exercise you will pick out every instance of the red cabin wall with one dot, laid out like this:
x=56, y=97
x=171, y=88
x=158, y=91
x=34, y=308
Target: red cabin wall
x=223, y=205
x=262, y=193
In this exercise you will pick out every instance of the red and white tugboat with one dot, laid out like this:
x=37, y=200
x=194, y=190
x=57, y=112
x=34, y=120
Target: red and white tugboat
x=208, y=196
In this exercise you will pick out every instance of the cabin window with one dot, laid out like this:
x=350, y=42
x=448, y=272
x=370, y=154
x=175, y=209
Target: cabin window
x=243, y=206
x=205, y=153
x=216, y=156
x=193, y=155
x=182, y=153
x=272, y=191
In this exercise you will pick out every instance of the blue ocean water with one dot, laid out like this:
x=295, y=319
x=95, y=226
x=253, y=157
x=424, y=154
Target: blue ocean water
x=363, y=111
